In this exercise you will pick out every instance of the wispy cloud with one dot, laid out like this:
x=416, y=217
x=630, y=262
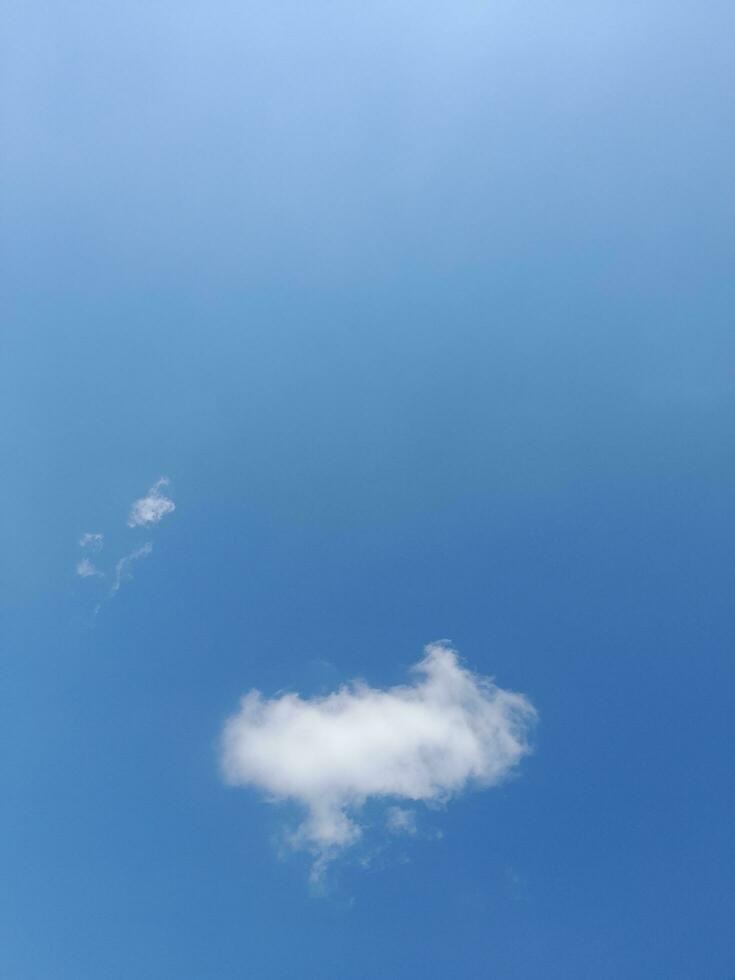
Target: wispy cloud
x=146, y=512
x=152, y=508
x=123, y=569
x=86, y=569
x=92, y=542
x=450, y=730
x=400, y=821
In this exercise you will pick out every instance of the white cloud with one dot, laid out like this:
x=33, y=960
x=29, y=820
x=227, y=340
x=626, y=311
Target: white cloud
x=151, y=508
x=93, y=542
x=123, y=569
x=85, y=568
x=448, y=731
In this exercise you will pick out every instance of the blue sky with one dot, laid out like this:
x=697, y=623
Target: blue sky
x=424, y=310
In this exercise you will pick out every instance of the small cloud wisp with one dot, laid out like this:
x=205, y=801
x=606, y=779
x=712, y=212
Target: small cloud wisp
x=153, y=507
x=87, y=569
x=448, y=731
x=90, y=541
x=123, y=569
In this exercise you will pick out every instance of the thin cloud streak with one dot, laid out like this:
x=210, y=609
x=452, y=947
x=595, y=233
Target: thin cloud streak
x=123, y=569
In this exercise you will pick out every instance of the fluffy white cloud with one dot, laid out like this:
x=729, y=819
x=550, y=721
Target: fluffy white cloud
x=92, y=542
x=151, y=508
x=446, y=732
x=123, y=569
x=86, y=569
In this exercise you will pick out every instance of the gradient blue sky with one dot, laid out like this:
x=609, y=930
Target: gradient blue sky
x=426, y=311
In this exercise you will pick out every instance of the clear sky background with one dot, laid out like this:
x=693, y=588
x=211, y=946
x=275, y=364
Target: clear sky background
x=425, y=309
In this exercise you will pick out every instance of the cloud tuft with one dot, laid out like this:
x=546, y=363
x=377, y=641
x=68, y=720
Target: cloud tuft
x=152, y=508
x=448, y=731
x=86, y=569
x=90, y=541
x=401, y=821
